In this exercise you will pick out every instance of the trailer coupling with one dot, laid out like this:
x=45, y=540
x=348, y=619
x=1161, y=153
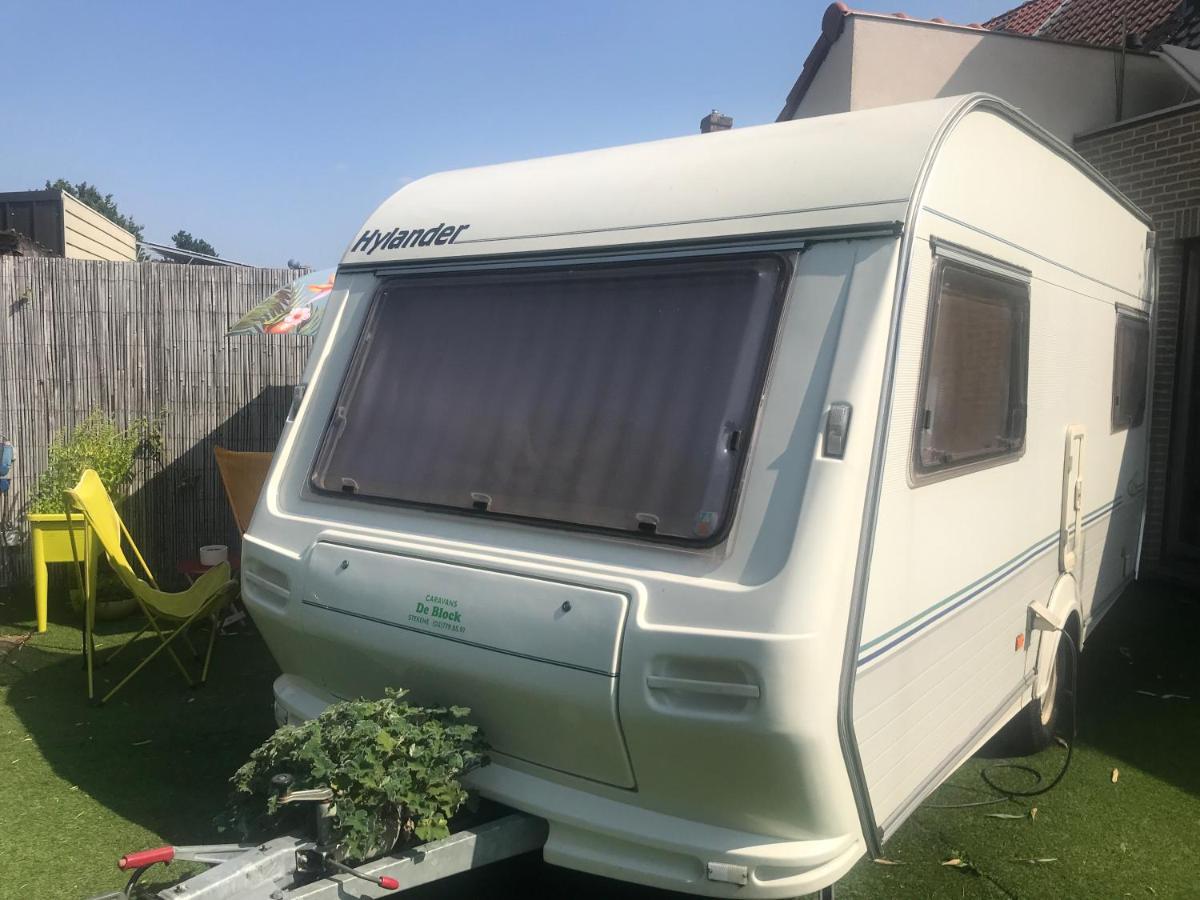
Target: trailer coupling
x=295, y=867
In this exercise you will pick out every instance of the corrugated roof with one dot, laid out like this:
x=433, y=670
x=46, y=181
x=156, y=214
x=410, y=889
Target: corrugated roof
x=1183, y=29
x=1102, y=23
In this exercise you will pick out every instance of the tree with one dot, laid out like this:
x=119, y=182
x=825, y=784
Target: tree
x=89, y=195
x=184, y=241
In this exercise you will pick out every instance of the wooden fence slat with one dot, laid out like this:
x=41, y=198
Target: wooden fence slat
x=142, y=339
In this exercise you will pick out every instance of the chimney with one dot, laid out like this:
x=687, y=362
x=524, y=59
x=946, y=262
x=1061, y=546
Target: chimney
x=715, y=121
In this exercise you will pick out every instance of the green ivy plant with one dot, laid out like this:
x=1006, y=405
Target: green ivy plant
x=394, y=768
x=99, y=443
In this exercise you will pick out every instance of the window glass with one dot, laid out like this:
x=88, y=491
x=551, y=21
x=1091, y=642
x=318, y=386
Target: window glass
x=1130, y=360
x=972, y=400
x=618, y=397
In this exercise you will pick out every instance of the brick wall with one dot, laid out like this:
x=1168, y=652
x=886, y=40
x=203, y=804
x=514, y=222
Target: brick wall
x=1155, y=161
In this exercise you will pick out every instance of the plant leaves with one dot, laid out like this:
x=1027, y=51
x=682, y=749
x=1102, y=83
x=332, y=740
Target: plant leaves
x=394, y=769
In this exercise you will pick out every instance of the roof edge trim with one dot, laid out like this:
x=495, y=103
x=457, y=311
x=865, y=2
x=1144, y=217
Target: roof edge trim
x=833, y=22
x=1165, y=113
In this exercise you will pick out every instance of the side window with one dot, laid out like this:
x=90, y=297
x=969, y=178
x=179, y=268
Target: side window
x=971, y=406
x=1131, y=355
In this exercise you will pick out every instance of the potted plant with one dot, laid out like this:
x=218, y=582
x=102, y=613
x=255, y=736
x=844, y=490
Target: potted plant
x=395, y=770
x=99, y=443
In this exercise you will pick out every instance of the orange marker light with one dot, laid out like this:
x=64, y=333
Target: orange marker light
x=1020, y=642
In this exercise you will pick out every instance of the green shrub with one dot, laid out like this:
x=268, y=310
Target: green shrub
x=96, y=443
x=394, y=769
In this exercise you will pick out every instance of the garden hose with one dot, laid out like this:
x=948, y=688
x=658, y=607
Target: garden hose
x=1037, y=788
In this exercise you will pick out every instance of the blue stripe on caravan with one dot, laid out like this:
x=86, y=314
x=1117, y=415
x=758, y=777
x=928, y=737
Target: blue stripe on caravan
x=907, y=629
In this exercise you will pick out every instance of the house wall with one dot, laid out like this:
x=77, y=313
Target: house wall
x=1156, y=162
x=895, y=60
x=89, y=235
x=830, y=89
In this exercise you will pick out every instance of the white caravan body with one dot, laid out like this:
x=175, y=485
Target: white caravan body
x=687, y=467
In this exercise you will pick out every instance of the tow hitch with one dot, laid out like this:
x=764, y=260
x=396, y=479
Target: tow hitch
x=296, y=867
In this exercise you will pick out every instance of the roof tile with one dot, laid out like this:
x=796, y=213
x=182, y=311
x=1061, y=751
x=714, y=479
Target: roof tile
x=1103, y=23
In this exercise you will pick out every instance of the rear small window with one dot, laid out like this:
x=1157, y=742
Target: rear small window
x=614, y=397
x=971, y=409
x=1131, y=356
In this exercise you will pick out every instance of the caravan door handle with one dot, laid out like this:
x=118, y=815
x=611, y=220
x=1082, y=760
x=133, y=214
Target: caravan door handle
x=1135, y=487
x=696, y=686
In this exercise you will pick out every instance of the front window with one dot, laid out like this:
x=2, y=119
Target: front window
x=616, y=397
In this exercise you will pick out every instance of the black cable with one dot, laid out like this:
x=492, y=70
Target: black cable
x=1007, y=794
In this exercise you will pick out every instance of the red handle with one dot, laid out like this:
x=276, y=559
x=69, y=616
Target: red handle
x=144, y=858
x=388, y=884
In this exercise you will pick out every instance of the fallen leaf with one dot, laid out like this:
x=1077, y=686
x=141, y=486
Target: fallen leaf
x=887, y=862
x=1033, y=814
x=1116, y=775
x=1004, y=816
x=1176, y=697
x=145, y=742
x=1039, y=860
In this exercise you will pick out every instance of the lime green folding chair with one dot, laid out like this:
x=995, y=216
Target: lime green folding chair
x=205, y=598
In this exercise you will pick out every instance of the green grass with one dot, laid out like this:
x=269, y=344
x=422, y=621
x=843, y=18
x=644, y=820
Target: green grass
x=82, y=785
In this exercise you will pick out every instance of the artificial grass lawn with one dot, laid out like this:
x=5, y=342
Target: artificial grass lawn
x=82, y=785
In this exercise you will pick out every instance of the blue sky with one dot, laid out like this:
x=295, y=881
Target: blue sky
x=273, y=129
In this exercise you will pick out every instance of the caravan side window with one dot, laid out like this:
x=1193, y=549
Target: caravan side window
x=1131, y=354
x=971, y=408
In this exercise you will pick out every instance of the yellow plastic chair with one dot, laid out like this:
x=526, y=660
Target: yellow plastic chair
x=205, y=598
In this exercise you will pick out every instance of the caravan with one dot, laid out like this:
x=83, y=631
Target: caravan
x=742, y=484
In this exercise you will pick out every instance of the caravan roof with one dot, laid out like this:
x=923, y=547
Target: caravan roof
x=852, y=171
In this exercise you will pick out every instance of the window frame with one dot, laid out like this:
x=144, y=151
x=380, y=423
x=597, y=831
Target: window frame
x=1127, y=314
x=946, y=256
x=785, y=259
